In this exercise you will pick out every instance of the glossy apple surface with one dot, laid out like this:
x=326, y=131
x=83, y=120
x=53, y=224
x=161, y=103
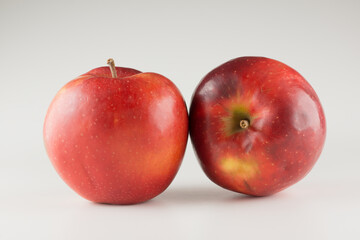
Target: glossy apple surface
x=117, y=140
x=257, y=126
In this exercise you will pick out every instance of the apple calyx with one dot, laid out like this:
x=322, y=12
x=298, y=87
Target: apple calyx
x=111, y=64
x=244, y=123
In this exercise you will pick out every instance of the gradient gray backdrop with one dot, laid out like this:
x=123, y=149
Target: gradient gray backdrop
x=44, y=44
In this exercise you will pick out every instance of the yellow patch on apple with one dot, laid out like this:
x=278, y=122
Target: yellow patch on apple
x=246, y=168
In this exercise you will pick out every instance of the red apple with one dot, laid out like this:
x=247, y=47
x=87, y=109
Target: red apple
x=116, y=135
x=257, y=126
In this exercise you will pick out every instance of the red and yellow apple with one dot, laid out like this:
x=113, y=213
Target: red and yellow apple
x=257, y=125
x=117, y=135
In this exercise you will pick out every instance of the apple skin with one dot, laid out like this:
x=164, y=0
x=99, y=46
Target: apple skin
x=117, y=140
x=286, y=132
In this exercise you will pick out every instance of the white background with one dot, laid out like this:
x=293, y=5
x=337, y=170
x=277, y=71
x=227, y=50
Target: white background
x=44, y=44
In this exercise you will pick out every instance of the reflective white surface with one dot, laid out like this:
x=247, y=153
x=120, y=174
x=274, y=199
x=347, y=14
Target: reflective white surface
x=309, y=210
x=44, y=44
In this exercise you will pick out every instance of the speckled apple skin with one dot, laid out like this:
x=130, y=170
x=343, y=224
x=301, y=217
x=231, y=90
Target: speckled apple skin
x=117, y=140
x=287, y=128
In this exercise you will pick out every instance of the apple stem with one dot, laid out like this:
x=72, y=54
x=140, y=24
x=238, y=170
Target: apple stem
x=244, y=123
x=111, y=64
